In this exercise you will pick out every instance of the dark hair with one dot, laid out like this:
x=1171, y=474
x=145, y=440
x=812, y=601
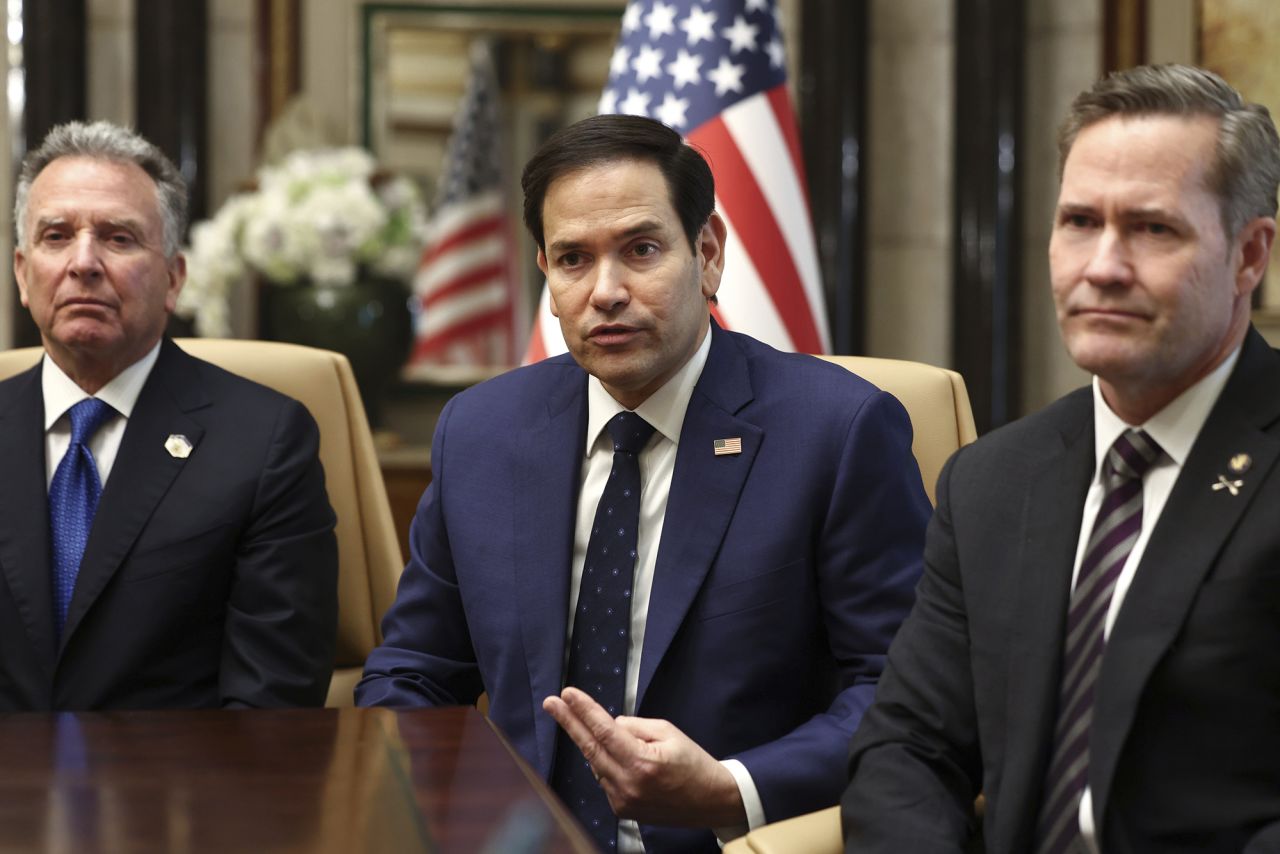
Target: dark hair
x=603, y=139
x=1246, y=168
x=104, y=141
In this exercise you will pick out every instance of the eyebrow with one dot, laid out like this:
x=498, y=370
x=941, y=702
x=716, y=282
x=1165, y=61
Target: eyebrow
x=1127, y=214
x=647, y=226
x=133, y=226
x=46, y=221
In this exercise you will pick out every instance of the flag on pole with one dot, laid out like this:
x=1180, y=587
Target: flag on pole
x=467, y=289
x=715, y=70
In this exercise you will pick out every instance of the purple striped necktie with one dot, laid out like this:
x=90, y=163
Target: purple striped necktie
x=1115, y=530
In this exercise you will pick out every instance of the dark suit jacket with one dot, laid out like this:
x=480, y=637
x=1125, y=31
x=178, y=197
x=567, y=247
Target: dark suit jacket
x=206, y=581
x=1185, y=748
x=781, y=576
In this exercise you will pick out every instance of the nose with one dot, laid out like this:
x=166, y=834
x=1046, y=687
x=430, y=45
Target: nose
x=86, y=260
x=609, y=292
x=1110, y=264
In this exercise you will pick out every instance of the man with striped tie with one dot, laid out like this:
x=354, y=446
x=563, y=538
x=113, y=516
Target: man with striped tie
x=674, y=557
x=1095, y=645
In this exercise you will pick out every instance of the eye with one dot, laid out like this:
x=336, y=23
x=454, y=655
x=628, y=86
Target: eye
x=1076, y=220
x=645, y=250
x=570, y=259
x=54, y=235
x=121, y=239
x=1158, y=229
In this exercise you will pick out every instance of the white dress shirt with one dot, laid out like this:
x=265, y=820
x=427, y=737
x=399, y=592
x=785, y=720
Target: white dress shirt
x=61, y=393
x=1174, y=429
x=665, y=411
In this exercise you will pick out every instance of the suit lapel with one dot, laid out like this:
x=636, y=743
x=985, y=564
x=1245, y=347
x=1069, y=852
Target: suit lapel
x=550, y=457
x=704, y=494
x=1050, y=521
x=141, y=475
x=24, y=536
x=1175, y=564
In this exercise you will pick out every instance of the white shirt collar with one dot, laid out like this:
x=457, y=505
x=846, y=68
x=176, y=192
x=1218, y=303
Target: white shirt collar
x=664, y=409
x=1175, y=427
x=61, y=392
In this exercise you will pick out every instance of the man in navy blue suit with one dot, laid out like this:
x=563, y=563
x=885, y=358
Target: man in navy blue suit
x=776, y=545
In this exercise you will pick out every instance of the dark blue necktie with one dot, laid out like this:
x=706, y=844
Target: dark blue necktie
x=73, y=499
x=602, y=622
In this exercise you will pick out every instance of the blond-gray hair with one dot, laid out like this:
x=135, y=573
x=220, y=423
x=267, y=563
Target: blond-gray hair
x=1245, y=173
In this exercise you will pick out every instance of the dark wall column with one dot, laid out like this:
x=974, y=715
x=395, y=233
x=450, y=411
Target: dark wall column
x=172, y=73
x=988, y=232
x=833, y=97
x=53, y=50
x=53, y=56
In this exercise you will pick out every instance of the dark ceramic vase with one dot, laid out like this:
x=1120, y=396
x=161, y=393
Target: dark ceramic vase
x=369, y=322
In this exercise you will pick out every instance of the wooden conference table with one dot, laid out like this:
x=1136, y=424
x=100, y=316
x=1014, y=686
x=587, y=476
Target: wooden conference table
x=349, y=780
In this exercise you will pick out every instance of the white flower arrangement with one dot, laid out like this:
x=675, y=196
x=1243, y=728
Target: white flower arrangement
x=318, y=217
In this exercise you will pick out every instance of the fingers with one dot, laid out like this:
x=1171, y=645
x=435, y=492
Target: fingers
x=647, y=729
x=605, y=747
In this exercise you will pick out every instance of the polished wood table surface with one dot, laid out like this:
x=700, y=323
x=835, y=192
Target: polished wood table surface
x=349, y=780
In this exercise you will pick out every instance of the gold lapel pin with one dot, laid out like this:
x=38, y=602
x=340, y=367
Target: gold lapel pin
x=1240, y=463
x=724, y=447
x=1232, y=486
x=178, y=446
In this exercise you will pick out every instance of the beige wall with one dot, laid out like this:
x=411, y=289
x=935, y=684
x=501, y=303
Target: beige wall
x=909, y=178
x=1063, y=56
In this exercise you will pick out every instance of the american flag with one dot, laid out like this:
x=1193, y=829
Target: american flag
x=466, y=288
x=727, y=446
x=715, y=70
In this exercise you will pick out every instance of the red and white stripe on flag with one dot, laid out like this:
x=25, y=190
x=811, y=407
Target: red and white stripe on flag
x=464, y=286
x=468, y=294
x=714, y=70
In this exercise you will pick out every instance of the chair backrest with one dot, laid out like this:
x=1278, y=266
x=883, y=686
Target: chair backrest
x=369, y=558
x=936, y=400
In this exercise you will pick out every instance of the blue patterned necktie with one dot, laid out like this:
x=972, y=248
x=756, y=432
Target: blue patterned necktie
x=602, y=623
x=1115, y=531
x=73, y=499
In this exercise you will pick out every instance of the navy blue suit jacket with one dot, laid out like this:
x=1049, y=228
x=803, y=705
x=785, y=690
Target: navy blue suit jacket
x=206, y=581
x=782, y=573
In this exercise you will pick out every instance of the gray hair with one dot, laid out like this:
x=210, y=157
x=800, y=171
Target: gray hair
x=105, y=141
x=1246, y=168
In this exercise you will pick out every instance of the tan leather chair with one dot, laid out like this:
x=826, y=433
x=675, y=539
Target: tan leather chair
x=942, y=421
x=369, y=558
x=936, y=400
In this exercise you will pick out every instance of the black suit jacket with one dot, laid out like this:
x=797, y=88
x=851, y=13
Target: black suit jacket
x=1185, y=747
x=206, y=581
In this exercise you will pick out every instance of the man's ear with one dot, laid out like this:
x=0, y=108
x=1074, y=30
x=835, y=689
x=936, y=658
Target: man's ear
x=177, y=278
x=20, y=274
x=543, y=265
x=1254, y=246
x=710, y=252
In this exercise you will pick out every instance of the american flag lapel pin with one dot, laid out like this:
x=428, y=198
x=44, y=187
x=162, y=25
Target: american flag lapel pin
x=725, y=447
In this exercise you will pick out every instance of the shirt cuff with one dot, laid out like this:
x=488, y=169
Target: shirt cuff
x=750, y=802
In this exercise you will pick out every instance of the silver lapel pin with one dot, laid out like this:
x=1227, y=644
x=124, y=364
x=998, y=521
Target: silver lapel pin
x=178, y=446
